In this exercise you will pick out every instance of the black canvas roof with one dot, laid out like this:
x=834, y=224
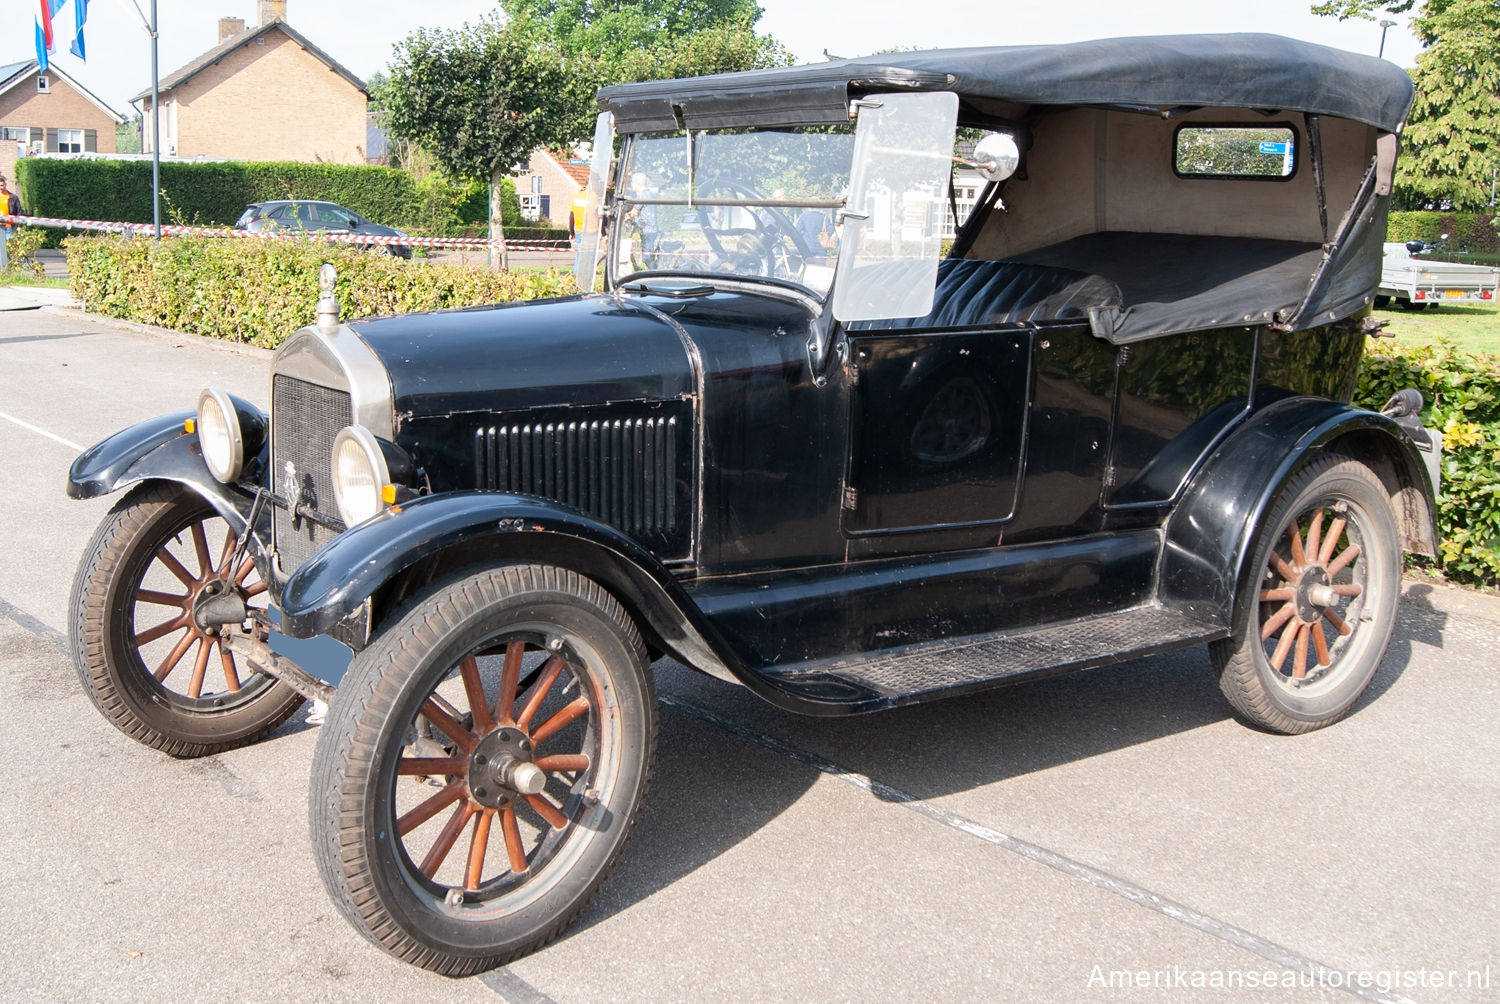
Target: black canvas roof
x=1222, y=71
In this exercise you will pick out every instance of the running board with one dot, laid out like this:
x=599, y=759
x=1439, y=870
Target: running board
x=886, y=679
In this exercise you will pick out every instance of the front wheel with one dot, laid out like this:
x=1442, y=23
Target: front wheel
x=482, y=767
x=141, y=653
x=1323, y=605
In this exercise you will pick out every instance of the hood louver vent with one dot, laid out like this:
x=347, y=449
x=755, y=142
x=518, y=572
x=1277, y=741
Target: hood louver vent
x=626, y=472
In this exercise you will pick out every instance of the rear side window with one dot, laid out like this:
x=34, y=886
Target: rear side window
x=250, y=214
x=1263, y=153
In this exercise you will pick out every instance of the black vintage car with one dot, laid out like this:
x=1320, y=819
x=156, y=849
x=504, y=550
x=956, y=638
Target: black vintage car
x=795, y=447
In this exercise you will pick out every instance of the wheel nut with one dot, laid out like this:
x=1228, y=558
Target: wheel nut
x=455, y=897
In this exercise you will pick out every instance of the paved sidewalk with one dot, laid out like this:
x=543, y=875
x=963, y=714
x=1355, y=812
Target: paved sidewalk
x=33, y=297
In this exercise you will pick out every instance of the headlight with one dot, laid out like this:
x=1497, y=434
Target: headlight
x=220, y=435
x=360, y=474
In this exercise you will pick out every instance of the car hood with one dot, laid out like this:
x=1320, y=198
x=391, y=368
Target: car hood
x=539, y=354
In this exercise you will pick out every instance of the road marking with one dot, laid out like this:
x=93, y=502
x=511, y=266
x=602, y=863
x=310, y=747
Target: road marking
x=41, y=432
x=1139, y=895
x=26, y=622
x=512, y=988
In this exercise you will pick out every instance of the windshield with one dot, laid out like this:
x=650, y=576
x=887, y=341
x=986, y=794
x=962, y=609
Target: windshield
x=735, y=202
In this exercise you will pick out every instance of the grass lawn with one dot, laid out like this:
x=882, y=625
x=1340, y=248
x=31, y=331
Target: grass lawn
x=1472, y=328
x=18, y=279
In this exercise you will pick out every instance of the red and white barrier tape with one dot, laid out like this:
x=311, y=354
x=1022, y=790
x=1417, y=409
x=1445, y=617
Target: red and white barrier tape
x=458, y=243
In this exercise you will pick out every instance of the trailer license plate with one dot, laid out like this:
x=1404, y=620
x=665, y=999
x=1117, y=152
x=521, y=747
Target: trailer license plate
x=1453, y=294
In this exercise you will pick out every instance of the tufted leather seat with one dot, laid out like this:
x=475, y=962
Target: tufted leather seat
x=971, y=291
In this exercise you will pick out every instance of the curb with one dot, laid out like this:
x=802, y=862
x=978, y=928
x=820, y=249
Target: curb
x=179, y=337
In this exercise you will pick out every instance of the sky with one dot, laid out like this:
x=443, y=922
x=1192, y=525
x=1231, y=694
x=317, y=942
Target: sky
x=361, y=33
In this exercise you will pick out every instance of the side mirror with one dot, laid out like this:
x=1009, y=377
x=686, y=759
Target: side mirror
x=996, y=157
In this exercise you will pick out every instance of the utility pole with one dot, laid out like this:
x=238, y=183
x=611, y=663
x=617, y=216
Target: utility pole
x=1385, y=26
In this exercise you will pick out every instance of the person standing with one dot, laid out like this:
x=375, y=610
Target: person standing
x=11, y=205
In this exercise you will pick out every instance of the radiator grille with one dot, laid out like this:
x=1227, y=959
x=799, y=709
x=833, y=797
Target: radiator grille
x=619, y=471
x=305, y=418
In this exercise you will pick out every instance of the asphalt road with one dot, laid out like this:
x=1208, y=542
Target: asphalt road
x=1107, y=835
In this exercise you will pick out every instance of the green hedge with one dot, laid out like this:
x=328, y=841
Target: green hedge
x=261, y=291
x=214, y=194
x=1476, y=230
x=1463, y=400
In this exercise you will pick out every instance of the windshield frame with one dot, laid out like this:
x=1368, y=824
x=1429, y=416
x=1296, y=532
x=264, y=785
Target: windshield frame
x=626, y=201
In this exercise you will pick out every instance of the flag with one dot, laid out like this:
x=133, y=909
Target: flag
x=44, y=34
x=80, y=14
x=45, y=41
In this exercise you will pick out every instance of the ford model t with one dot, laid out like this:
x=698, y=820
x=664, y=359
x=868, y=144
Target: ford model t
x=795, y=445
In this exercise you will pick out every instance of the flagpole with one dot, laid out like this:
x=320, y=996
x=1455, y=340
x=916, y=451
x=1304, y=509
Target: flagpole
x=155, y=129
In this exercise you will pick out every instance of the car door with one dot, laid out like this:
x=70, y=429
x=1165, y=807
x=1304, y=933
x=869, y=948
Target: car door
x=938, y=423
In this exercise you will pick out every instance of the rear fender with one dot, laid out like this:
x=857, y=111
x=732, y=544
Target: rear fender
x=394, y=554
x=1205, y=561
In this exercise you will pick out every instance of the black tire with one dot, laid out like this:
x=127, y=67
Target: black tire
x=1280, y=672
x=141, y=554
x=388, y=766
x=1382, y=302
x=1412, y=304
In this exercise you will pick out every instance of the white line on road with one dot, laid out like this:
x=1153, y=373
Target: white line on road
x=41, y=432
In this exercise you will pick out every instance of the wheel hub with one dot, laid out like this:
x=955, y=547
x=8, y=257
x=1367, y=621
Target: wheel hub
x=501, y=768
x=1314, y=593
x=217, y=603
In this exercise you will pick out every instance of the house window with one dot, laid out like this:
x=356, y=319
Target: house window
x=70, y=141
x=16, y=134
x=41, y=84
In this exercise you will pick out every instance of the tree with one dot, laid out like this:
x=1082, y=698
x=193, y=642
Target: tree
x=1452, y=136
x=617, y=41
x=478, y=99
x=128, y=136
x=486, y=95
x=481, y=98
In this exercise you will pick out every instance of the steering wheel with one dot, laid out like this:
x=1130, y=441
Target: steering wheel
x=770, y=247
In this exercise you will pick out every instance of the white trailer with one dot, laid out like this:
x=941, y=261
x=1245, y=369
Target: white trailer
x=1416, y=283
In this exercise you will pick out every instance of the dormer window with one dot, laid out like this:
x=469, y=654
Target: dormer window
x=41, y=84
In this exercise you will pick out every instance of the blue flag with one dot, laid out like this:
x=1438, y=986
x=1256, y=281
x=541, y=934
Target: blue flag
x=80, y=14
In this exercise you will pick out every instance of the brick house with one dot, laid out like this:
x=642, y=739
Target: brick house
x=262, y=93
x=49, y=113
x=549, y=183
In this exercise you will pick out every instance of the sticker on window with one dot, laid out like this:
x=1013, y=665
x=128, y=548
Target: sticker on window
x=1214, y=151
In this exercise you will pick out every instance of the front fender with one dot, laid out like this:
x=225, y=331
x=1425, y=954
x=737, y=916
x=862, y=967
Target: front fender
x=106, y=466
x=1212, y=530
x=157, y=449
x=470, y=528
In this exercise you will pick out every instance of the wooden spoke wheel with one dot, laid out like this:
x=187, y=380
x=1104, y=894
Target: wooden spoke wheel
x=482, y=766
x=138, y=636
x=1320, y=616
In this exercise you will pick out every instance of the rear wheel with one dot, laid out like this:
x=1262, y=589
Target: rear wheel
x=142, y=657
x=482, y=767
x=1323, y=606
